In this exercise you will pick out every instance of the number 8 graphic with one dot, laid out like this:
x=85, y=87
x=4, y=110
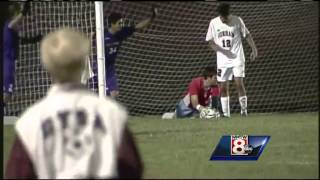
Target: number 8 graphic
x=238, y=146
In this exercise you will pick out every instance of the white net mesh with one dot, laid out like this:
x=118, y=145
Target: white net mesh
x=155, y=65
x=31, y=80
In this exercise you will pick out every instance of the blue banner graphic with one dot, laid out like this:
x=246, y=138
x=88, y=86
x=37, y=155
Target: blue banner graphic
x=239, y=147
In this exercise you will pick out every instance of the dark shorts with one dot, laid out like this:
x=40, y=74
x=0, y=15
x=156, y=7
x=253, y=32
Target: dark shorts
x=112, y=84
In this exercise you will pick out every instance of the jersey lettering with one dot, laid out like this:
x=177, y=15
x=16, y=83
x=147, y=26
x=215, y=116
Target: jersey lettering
x=112, y=50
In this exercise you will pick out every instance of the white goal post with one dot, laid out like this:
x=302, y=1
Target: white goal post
x=100, y=48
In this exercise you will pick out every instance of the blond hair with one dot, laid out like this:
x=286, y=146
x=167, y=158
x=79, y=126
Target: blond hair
x=63, y=54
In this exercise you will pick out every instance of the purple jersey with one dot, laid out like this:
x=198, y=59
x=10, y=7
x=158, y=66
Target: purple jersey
x=112, y=45
x=10, y=53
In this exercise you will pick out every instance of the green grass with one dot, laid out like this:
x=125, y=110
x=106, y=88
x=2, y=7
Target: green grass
x=182, y=148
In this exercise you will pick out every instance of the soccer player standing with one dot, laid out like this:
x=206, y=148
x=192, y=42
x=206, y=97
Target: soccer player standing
x=224, y=36
x=11, y=42
x=116, y=33
x=72, y=133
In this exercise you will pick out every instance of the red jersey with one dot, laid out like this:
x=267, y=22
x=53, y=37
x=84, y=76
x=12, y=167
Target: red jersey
x=196, y=87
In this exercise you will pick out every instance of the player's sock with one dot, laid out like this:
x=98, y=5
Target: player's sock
x=225, y=106
x=243, y=105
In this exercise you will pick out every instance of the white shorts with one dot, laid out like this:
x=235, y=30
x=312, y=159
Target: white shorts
x=226, y=73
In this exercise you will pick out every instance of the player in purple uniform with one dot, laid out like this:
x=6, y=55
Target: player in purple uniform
x=118, y=32
x=11, y=42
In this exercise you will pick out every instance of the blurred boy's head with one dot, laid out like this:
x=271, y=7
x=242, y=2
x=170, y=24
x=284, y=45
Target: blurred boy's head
x=64, y=53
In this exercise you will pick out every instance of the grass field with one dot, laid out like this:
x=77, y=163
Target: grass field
x=182, y=148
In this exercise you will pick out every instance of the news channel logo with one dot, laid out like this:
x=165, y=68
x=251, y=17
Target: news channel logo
x=239, y=148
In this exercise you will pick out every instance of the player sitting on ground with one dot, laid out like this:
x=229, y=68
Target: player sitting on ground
x=11, y=42
x=72, y=133
x=197, y=97
x=118, y=31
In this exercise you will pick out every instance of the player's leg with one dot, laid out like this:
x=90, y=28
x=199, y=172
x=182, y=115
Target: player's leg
x=8, y=77
x=184, y=111
x=6, y=97
x=216, y=103
x=238, y=79
x=224, y=86
x=223, y=77
x=242, y=95
x=114, y=94
x=112, y=87
x=7, y=91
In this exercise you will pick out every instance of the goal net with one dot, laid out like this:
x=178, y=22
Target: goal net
x=155, y=65
x=31, y=79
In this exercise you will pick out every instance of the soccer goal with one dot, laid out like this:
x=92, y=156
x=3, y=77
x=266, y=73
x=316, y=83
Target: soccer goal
x=155, y=65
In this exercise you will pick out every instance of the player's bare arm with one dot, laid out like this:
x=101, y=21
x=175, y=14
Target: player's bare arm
x=195, y=103
x=17, y=20
x=254, y=52
x=148, y=21
x=217, y=48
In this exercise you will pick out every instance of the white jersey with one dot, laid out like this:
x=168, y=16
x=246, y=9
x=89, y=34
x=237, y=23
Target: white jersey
x=228, y=36
x=72, y=133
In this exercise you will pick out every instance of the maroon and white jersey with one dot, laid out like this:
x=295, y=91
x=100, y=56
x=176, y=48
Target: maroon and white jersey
x=228, y=36
x=72, y=133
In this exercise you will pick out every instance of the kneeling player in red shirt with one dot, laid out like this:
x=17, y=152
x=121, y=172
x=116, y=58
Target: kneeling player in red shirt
x=202, y=93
